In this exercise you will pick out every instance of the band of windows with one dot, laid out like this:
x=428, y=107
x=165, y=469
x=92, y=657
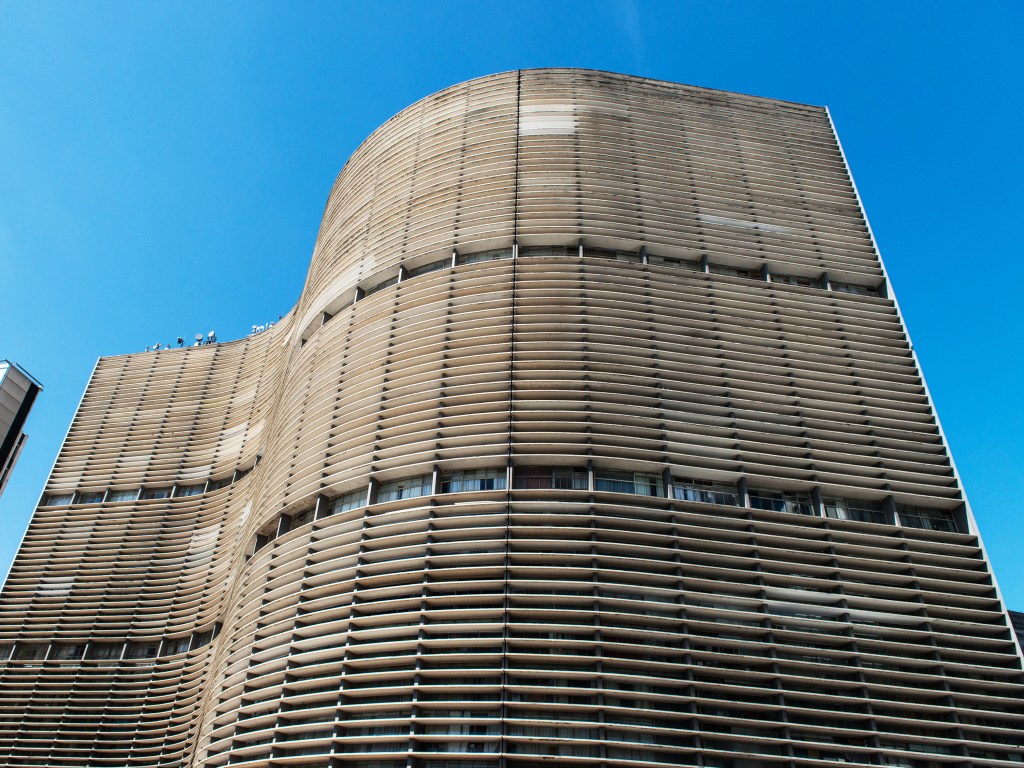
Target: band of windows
x=760, y=272
x=104, y=650
x=884, y=512
x=146, y=492
x=601, y=480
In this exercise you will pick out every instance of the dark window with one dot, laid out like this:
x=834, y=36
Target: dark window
x=176, y=645
x=706, y=491
x=803, y=282
x=30, y=651
x=473, y=480
x=349, y=501
x=928, y=519
x=68, y=651
x=668, y=261
x=124, y=495
x=858, y=290
x=381, y=286
x=433, y=266
x=721, y=269
x=105, y=651
x=549, y=251
x=860, y=510
x=601, y=253
x=473, y=258
x=628, y=482
x=558, y=479
x=303, y=517
x=143, y=650
x=797, y=502
x=407, y=488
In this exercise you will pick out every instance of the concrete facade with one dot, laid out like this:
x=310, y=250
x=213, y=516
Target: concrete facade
x=595, y=437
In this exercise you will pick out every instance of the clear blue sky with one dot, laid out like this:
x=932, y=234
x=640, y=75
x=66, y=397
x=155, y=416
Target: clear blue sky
x=163, y=168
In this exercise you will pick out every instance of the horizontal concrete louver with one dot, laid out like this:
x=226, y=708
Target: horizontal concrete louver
x=132, y=572
x=374, y=611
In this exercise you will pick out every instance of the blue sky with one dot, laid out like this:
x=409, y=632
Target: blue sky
x=163, y=168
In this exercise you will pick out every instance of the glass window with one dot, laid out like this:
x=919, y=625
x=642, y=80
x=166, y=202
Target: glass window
x=303, y=517
x=156, y=493
x=59, y=499
x=549, y=251
x=492, y=479
x=408, y=488
x=668, y=261
x=433, y=266
x=30, y=651
x=473, y=258
x=202, y=638
x=855, y=509
x=177, y=645
x=266, y=535
x=216, y=485
x=142, y=650
x=127, y=495
x=381, y=286
x=797, y=502
x=190, y=490
x=859, y=290
x=628, y=482
x=706, y=491
x=803, y=282
x=601, y=253
x=928, y=519
x=68, y=651
x=350, y=500
x=563, y=479
x=89, y=497
x=105, y=650
x=721, y=269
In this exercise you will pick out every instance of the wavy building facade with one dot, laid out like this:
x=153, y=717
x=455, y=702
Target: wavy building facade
x=595, y=438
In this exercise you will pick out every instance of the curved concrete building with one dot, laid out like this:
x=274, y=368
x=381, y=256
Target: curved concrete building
x=595, y=438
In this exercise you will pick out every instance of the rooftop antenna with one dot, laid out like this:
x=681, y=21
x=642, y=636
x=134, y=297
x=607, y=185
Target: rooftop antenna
x=211, y=338
x=199, y=339
x=181, y=341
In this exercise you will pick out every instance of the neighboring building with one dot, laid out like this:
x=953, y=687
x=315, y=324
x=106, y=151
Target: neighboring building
x=1017, y=619
x=18, y=392
x=595, y=438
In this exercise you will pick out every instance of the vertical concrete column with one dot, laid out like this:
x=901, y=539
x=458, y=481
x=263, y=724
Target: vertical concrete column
x=743, y=492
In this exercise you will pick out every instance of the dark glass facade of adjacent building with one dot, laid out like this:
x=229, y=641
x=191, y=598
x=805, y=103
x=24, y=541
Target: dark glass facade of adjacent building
x=1017, y=620
x=595, y=438
x=18, y=391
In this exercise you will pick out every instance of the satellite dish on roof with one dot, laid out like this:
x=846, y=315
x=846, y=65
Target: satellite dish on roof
x=199, y=337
